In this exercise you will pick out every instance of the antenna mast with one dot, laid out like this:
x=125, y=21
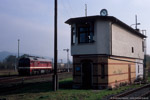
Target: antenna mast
x=85, y=9
x=136, y=22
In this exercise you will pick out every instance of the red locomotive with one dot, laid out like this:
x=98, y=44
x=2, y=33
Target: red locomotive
x=34, y=65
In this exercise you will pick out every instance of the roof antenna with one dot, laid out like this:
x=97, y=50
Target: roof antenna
x=136, y=24
x=86, y=10
x=135, y=21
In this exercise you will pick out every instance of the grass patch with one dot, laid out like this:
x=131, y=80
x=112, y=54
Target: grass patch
x=43, y=91
x=66, y=94
x=148, y=79
x=4, y=73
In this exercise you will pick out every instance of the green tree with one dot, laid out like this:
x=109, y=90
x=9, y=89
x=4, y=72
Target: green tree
x=10, y=62
x=25, y=55
x=1, y=65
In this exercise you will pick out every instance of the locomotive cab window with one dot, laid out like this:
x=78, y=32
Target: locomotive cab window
x=24, y=62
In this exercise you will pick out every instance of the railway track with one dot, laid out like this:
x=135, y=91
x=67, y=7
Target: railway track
x=8, y=77
x=18, y=83
x=24, y=78
x=20, y=78
x=141, y=93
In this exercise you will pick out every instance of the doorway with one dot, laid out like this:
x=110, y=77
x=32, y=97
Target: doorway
x=86, y=75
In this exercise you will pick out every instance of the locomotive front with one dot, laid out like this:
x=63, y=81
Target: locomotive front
x=24, y=66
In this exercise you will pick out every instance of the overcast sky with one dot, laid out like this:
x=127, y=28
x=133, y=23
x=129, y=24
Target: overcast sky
x=32, y=21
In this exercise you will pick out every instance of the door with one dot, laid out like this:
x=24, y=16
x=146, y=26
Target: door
x=129, y=73
x=86, y=75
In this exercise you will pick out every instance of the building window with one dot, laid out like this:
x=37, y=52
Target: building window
x=102, y=71
x=85, y=33
x=143, y=46
x=73, y=35
x=132, y=49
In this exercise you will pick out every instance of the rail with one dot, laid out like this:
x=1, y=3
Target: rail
x=130, y=94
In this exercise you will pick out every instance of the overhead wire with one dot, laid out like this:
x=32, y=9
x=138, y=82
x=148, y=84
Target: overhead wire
x=73, y=13
x=68, y=9
x=65, y=9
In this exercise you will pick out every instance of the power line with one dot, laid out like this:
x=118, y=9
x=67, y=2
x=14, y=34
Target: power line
x=71, y=7
x=66, y=10
x=85, y=9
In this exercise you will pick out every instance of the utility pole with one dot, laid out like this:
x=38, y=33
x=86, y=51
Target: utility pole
x=18, y=48
x=55, y=76
x=86, y=10
x=145, y=51
x=17, y=63
x=135, y=21
x=67, y=58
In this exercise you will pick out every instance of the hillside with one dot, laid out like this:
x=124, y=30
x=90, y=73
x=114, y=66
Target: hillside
x=4, y=54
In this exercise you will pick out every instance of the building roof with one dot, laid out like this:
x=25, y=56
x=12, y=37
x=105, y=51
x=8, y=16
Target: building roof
x=105, y=18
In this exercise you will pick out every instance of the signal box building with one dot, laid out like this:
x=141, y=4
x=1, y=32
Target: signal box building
x=106, y=52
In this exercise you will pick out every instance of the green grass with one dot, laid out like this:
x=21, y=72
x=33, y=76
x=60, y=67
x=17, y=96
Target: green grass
x=149, y=79
x=8, y=72
x=43, y=91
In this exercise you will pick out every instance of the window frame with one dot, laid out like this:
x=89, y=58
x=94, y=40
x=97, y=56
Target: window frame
x=90, y=29
x=132, y=49
x=73, y=40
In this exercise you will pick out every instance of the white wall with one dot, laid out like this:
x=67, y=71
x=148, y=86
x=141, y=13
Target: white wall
x=123, y=41
x=103, y=31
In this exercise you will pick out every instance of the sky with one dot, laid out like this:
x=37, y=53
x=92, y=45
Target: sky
x=32, y=21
